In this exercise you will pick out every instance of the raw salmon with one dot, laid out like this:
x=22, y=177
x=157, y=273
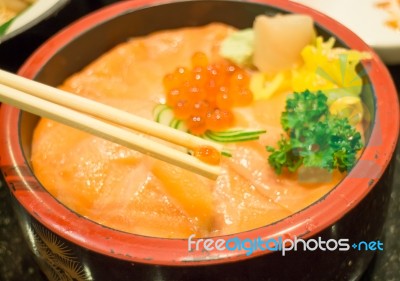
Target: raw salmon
x=129, y=191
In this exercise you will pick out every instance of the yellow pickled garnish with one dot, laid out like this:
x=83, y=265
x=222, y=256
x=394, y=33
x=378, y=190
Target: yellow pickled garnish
x=330, y=69
x=264, y=86
x=349, y=107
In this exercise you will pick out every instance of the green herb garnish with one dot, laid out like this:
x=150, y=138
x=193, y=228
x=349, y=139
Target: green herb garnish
x=315, y=137
x=4, y=27
x=164, y=114
x=233, y=135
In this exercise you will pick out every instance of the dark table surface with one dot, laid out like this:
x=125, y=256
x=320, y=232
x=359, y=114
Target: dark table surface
x=16, y=263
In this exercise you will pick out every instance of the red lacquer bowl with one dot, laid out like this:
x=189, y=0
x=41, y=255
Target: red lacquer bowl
x=67, y=244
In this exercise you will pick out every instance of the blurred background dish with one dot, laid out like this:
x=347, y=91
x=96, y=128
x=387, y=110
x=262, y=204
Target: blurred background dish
x=377, y=22
x=26, y=17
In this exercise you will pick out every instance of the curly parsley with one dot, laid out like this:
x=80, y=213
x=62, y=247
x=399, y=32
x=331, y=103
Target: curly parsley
x=315, y=138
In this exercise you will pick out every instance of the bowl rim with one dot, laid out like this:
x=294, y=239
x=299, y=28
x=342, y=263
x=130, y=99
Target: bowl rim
x=136, y=248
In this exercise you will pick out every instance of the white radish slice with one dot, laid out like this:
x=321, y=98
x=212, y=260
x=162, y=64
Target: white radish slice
x=280, y=39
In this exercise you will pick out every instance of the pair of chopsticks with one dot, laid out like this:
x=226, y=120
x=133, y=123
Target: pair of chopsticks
x=105, y=121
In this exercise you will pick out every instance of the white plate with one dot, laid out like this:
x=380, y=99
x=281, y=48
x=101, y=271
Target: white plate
x=37, y=12
x=365, y=19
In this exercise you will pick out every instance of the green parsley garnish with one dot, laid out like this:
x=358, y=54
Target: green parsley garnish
x=315, y=138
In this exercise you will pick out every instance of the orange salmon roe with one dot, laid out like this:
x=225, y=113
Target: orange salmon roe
x=208, y=154
x=204, y=95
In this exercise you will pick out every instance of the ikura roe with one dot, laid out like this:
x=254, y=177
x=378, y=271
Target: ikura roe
x=204, y=95
x=208, y=155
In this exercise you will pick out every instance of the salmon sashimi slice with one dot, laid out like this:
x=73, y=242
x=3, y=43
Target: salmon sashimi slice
x=189, y=191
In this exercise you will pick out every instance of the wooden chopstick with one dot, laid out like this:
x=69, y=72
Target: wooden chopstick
x=75, y=111
x=103, y=111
